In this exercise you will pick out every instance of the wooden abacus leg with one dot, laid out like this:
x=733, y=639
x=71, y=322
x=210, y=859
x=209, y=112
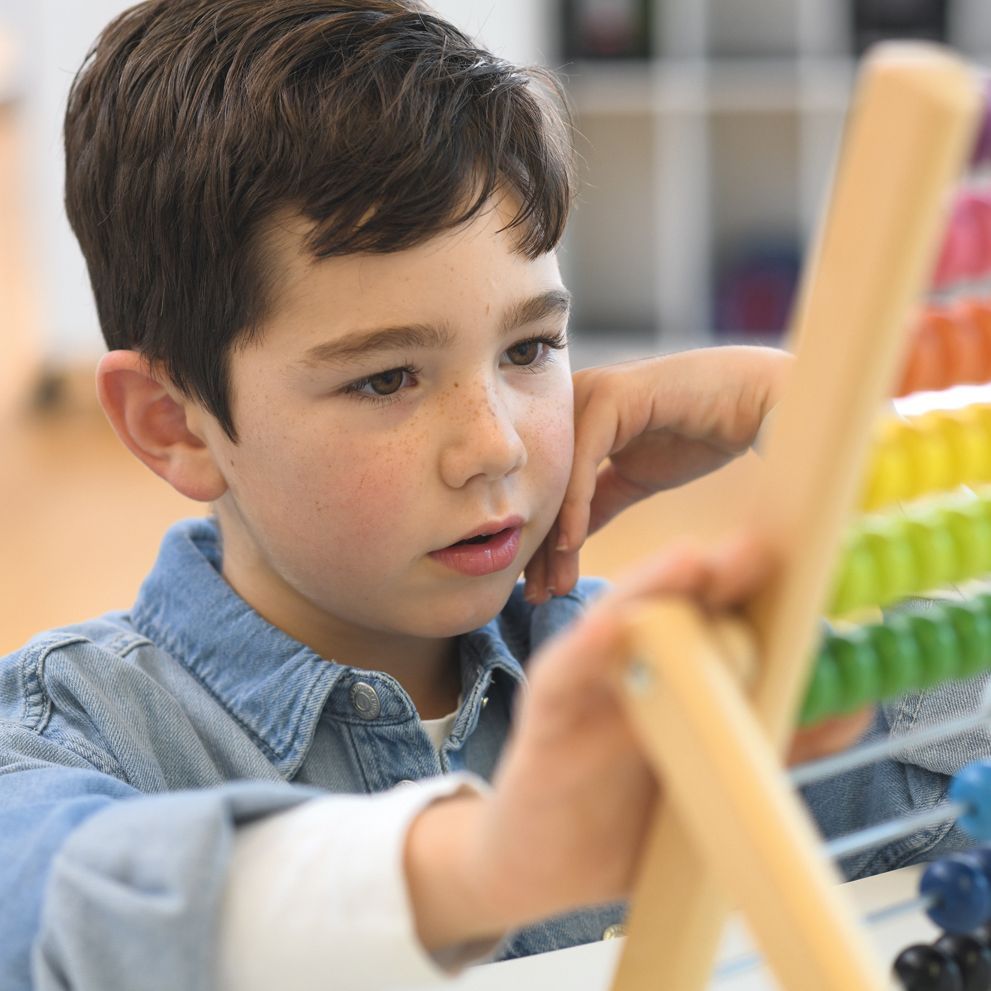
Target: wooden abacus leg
x=740, y=814
x=906, y=140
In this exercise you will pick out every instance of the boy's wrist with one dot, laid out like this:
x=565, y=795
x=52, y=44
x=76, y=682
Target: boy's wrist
x=445, y=874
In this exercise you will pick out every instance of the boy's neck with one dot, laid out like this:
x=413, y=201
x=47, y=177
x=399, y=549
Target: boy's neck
x=427, y=668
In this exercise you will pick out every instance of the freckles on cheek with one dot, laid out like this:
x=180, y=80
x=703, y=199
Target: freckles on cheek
x=552, y=444
x=385, y=491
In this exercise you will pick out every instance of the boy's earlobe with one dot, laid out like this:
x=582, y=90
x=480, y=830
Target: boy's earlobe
x=151, y=419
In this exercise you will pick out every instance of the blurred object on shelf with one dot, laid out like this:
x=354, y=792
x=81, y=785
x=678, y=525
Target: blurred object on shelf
x=606, y=29
x=878, y=20
x=755, y=289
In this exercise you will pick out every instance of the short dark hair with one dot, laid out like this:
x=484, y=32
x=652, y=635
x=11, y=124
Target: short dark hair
x=191, y=122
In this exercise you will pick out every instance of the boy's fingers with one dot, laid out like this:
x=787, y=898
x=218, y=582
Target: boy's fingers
x=738, y=569
x=594, y=440
x=720, y=576
x=535, y=574
x=563, y=573
x=829, y=736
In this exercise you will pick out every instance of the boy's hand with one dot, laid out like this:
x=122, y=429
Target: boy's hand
x=645, y=426
x=572, y=798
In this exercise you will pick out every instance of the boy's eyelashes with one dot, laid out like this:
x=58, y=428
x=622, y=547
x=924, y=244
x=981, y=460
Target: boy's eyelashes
x=529, y=355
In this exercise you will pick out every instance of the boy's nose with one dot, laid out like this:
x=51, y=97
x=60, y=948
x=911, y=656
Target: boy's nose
x=481, y=440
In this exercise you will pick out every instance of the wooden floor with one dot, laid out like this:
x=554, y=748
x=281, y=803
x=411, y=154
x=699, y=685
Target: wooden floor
x=80, y=518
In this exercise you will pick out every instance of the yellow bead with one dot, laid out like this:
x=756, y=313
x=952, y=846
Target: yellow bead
x=889, y=478
x=970, y=443
x=931, y=456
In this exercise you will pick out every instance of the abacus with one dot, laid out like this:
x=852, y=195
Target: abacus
x=714, y=699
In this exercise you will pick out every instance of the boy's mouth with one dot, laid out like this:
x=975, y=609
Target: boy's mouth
x=489, y=532
x=482, y=538
x=489, y=549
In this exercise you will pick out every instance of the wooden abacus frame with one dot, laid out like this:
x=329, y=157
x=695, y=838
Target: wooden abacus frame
x=730, y=829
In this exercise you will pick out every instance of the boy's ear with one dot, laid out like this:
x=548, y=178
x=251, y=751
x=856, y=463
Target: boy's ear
x=158, y=425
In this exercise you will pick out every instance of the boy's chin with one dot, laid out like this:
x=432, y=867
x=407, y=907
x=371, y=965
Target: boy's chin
x=456, y=615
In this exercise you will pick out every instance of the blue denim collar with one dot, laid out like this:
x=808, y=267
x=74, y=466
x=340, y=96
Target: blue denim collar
x=274, y=686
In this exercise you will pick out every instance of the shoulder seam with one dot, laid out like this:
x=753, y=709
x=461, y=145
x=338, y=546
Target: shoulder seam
x=38, y=706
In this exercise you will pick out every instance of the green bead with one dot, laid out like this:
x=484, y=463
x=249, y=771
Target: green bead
x=824, y=693
x=934, y=550
x=971, y=533
x=972, y=626
x=857, y=583
x=898, y=655
x=890, y=543
x=938, y=643
x=860, y=675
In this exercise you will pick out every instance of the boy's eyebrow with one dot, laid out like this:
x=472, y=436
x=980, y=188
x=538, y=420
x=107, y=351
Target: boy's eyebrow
x=360, y=344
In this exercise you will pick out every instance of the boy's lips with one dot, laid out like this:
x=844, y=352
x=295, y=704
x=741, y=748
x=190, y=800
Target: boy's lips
x=494, y=548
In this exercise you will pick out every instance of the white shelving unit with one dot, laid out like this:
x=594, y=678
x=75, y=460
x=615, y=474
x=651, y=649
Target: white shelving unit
x=724, y=140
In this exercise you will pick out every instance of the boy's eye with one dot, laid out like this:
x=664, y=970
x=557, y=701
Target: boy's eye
x=535, y=352
x=383, y=385
x=386, y=383
x=524, y=353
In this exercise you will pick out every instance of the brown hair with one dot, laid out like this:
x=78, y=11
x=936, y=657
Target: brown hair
x=191, y=122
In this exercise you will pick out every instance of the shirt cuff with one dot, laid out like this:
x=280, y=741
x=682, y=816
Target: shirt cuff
x=317, y=896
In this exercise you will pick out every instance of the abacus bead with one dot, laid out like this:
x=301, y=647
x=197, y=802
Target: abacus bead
x=824, y=694
x=971, y=533
x=938, y=644
x=934, y=550
x=926, y=968
x=890, y=543
x=889, y=479
x=899, y=657
x=973, y=629
x=971, y=956
x=982, y=855
x=859, y=670
x=932, y=460
x=966, y=436
x=975, y=417
x=971, y=786
x=858, y=579
x=961, y=893
x=982, y=934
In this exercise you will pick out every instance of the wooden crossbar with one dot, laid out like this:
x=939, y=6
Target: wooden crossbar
x=914, y=111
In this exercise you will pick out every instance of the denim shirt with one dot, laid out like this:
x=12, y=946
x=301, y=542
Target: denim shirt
x=132, y=747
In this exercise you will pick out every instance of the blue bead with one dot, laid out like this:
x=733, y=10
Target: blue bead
x=972, y=787
x=960, y=891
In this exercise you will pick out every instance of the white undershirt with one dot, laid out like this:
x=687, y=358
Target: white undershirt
x=440, y=729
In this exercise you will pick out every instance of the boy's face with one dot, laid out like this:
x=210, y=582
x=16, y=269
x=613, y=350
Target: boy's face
x=357, y=464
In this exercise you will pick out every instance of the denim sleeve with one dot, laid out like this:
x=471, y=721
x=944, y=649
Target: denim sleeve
x=914, y=780
x=105, y=889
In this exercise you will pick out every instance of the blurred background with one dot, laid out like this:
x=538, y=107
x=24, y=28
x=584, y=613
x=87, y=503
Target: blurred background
x=707, y=131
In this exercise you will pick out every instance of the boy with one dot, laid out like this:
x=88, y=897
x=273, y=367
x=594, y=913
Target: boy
x=321, y=239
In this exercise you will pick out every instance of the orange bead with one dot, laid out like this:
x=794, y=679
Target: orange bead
x=966, y=359
x=925, y=367
x=974, y=356
x=981, y=314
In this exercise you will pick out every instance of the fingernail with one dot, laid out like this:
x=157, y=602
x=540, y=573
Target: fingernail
x=529, y=594
x=562, y=543
x=550, y=591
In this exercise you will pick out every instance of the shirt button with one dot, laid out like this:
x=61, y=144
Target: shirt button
x=485, y=701
x=614, y=931
x=365, y=700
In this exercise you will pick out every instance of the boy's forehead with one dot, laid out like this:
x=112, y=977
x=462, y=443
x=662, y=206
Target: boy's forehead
x=477, y=265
